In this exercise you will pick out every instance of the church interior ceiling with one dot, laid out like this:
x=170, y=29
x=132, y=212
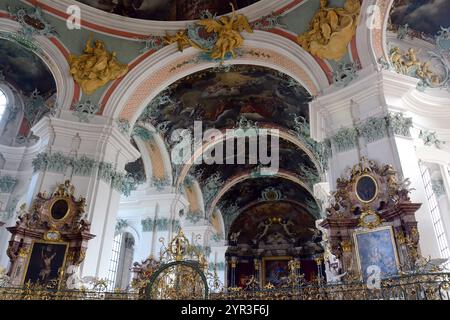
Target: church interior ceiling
x=423, y=16
x=272, y=189
x=25, y=70
x=291, y=159
x=219, y=98
x=289, y=224
x=164, y=10
x=137, y=170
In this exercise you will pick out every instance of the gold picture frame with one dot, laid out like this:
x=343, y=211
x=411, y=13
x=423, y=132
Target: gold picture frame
x=375, y=192
x=376, y=247
x=267, y=260
x=60, y=255
x=67, y=211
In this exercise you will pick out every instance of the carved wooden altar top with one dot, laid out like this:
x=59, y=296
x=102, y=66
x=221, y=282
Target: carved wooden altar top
x=53, y=216
x=367, y=187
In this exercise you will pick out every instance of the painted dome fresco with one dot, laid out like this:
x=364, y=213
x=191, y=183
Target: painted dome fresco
x=427, y=16
x=163, y=10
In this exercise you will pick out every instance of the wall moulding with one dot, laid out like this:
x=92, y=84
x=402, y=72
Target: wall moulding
x=84, y=166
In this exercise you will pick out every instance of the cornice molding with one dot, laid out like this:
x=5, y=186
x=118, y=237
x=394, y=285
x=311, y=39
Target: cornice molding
x=392, y=91
x=105, y=140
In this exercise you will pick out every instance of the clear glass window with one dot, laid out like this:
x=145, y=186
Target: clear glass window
x=435, y=213
x=3, y=103
x=114, y=262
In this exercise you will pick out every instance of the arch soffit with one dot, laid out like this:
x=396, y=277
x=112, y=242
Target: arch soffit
x=248, y=175
x=158, y=71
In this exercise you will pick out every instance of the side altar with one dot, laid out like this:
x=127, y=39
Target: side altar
x=371, y=223
x=48, y=238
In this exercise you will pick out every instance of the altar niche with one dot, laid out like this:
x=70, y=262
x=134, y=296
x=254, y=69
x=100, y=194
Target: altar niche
x=267, y=238
x=48, y=238
x=371, y=223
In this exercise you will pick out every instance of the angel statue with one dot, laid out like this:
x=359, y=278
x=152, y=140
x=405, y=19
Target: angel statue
x=74, y=280
x=228, y=33
x=95, y=67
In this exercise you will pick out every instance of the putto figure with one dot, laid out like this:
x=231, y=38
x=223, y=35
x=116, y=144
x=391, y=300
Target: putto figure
x=96, y=67
x=331, y=30
x=228, y=31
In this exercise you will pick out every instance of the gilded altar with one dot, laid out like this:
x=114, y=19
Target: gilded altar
x=48, y=238
x=371, y=223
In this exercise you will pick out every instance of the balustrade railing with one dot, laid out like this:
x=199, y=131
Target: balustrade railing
x=424, y=286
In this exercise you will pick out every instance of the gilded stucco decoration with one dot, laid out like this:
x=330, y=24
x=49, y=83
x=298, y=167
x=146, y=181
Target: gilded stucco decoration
x=226, y=35
x=331, y=30
x=95, y=67
x=408, y=64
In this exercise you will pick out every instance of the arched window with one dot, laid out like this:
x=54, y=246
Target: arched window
x=3, y=104
x=119, y=274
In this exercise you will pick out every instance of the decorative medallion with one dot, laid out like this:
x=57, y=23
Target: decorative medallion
x=369, y=219
x=218, y=37
x=52, y=235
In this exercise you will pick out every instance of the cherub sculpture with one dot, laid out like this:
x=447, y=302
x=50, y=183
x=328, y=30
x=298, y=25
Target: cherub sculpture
x=228, y=31
x=96, y=67
x=331, y=30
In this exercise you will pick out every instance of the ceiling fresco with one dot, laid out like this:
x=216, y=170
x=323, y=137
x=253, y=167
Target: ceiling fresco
x=137, y=170
x=219, y=98
x=426, y=16
x=261, y=189
x=25, y=70
x=291, y=158
x=289, y=224
x=166, y=10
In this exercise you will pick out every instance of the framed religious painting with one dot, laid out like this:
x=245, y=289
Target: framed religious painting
x=45, y=263
x=275, y=270
x=366, y=188
x=376, y=252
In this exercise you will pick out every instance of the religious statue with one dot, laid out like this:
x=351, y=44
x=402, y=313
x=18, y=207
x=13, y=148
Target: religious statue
x=228, y=30
x=408, y=64
x=234, y=237
x=181, y=38
x=331, y=30
x=74, y=280
x=228, y=33
x=332, y=270
x=96, y=67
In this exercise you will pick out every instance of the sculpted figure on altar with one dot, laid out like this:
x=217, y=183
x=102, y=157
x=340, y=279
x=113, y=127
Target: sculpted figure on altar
x=331, y=30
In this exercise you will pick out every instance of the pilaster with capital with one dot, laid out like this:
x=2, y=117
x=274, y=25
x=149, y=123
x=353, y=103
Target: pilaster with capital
x=373, y=117
x=93, y=157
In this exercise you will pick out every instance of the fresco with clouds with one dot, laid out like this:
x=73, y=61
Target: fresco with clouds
x=425, y=16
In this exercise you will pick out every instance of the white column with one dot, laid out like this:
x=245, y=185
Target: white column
x=374, y=94
x=101, y=141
